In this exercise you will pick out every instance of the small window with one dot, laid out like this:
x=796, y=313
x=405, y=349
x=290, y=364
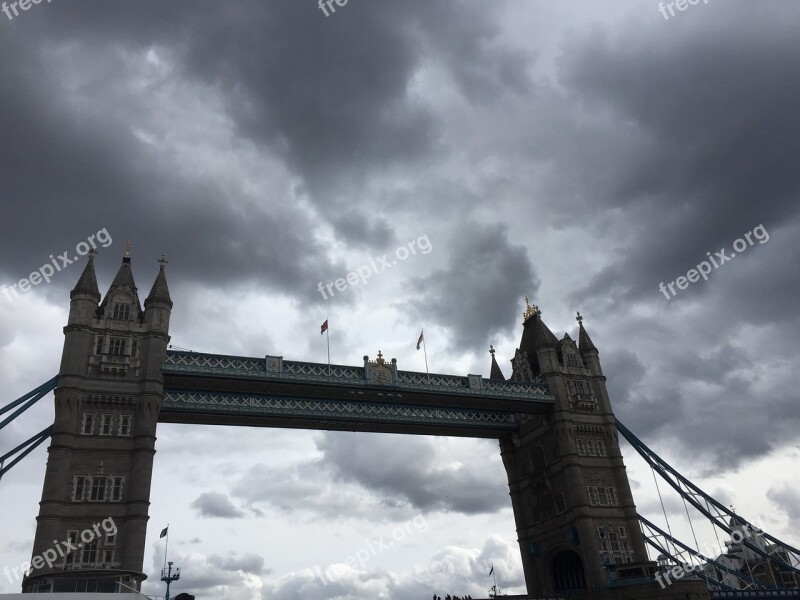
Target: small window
x=612, y=496
x=601, y=448
x=79, y=486
x=98, y=493
x=538, y=459
x=593, y=500
x=87, y=427
x=108, y=557
x=602, y=496
x=116, y=489
x=121, y=312
x=98, y=349
x=89, y=553
x=561, y=506
x=72, y=539
x=135, y=348
x=124, y=425
x=111, y=539
x=117, y=347
x=613, y=540
x=106, y=421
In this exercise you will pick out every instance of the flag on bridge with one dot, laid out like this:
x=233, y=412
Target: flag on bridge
x=491, y=570
x=163, y=532
x=322, y=331
x=421, y=340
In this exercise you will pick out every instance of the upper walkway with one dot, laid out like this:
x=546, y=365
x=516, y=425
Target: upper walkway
x=271, y=391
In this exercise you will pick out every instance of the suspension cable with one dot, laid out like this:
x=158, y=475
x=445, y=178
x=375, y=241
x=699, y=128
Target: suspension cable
x=660, y=499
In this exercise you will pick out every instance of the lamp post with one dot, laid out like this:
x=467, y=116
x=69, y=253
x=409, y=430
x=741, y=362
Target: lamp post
x=168, y=576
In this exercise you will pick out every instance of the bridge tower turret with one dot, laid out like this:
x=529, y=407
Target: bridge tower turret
x=93, y=515
x=575, y=515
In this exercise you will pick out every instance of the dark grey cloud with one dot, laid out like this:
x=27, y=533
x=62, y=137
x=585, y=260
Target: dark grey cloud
x=348, y=482
x=477, y=295
x=410, y=472
x=214, y=504
x=715, y=156
x=247, y=563
x=351, y=110
x=786, y=499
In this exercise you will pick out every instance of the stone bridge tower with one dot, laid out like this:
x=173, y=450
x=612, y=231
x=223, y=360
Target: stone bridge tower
x=575, y=516
x=93, y=514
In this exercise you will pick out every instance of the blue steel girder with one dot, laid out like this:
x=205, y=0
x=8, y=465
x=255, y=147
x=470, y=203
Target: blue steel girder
x=27, y=400
x=23, y=449
x=208, y=388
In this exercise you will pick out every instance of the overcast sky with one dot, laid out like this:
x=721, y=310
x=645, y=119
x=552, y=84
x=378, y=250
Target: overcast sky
x=579, y=153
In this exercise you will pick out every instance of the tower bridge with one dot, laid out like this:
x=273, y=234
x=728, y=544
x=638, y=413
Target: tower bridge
x=575, y=516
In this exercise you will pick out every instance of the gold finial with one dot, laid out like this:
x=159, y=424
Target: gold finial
x=128, y=249
x=579, y=318
x=530, y=310
x=491, y=349
x=163, y=260
x=380, y=360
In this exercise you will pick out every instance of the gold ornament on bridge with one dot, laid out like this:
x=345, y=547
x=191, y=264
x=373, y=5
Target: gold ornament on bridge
x=531, y=310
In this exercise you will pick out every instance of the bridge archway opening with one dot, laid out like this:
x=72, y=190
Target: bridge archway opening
x=567, y=573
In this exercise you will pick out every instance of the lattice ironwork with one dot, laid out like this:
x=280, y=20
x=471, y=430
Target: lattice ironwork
x=515, y=387
x=212, y=364
x=214, y=361
x=278, y=406
x=414, y=379
x=309, y=370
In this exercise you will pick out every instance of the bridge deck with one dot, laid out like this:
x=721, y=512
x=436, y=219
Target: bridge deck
x=272, y=392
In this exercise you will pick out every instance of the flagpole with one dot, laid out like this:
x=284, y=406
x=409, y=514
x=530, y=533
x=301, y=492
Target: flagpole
x=425, y=351
x=328, y=338
x=496, y=591
x=166, y=546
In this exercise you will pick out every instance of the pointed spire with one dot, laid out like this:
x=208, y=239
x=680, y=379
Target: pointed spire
x=584, y=341
x=123, y=278
x=538, y=334
x=495, y=372
x=87, y=284
x=160, y=290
